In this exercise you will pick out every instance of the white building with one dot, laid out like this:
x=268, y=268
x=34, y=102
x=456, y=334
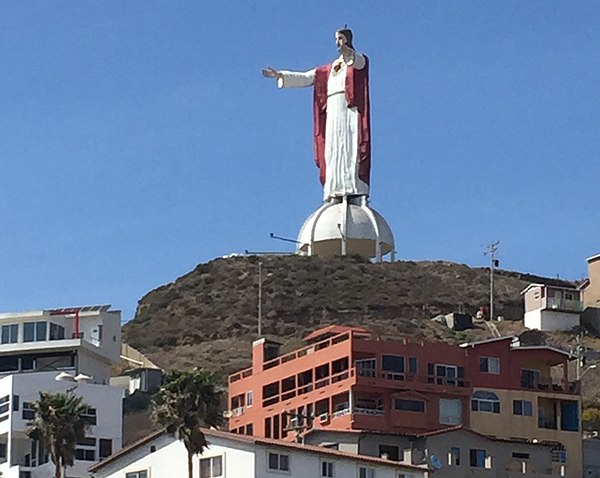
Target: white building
x=240, y=456
x=78, y=346
x=551, y=308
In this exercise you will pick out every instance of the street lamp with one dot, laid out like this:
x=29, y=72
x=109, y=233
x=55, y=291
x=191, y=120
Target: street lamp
x=594, y=365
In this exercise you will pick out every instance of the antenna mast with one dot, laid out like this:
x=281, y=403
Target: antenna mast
x=491, y=251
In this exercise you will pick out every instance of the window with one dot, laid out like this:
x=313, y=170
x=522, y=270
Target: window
x=57, y=332
x=137, y=474
x=89, y=416
x=409, y=405
x=489, y=365
x=450, y=411
x=520, y=455
x=442, y=374
x=364, y=472
x=390, y=452
x=34, y=331
x=326, y=469
x=366, y=367
x=559, y=455
x=522, y=407
x=211, y=467
x=249, y=429
x=86, y=449
x=249, y=398
x=485, y=402
x=28, y=413
x=4, y=404
x=105, y=447
x=413, y=365
x=479, y=459
x=279, y=462
x=9, y=364
x=454, y=456
x=393, y=364
x=530, y=378
x=10, y=334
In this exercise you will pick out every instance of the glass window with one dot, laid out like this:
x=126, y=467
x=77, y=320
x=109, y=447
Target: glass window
x=10, y=334
x=450, y=411
x=522, y=407
x=392, y=363
x=57, y=332
x=4, y=404
x=279, y=462
x=483, y=401
x=413, y=365
x=9, y=364
x=489, y=365
x=364, y=472
x=409, y=405
x=28, y=412
x=137, y=474
x=454, y=456
x=326, y=469
x=477, y=458
x=211, y=467
x=34, y=331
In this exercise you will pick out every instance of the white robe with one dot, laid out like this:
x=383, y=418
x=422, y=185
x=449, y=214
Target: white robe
x=341, y=131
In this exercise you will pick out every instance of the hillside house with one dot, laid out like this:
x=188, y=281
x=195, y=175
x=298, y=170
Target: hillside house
x=58, y=350
x=552, y=308
x=236, y=456
x=345, y=380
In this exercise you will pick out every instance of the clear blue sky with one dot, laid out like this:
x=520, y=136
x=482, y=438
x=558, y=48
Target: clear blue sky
x=138, y=139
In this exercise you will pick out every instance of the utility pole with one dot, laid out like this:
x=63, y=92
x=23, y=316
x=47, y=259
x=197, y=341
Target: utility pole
x=491, y=251
x=259, y=299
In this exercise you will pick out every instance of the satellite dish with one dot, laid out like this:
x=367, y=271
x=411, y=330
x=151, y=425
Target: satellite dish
x=435, y=462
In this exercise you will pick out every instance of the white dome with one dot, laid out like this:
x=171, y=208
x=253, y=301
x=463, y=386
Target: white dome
x=323, y=231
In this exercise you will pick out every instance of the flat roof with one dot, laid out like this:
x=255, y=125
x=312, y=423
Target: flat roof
x=61, y=311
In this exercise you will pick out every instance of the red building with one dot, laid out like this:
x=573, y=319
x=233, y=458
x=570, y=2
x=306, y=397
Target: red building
x=345, y=380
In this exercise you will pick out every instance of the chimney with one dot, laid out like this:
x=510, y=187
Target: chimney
x=263, y=350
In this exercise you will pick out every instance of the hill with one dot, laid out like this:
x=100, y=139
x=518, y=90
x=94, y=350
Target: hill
x=208, y=317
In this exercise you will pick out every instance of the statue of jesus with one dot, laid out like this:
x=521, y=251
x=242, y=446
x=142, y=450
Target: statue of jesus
x=342, y=132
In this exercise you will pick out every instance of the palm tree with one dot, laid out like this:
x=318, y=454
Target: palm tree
x=59, y=425
x=188, y=400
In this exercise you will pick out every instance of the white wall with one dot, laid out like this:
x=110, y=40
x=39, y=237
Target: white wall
x=107, y=401
x=241, y=460
x=551, y=320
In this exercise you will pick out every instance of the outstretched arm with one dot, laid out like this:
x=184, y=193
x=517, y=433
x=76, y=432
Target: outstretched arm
x=271, y=72
x=290, y=79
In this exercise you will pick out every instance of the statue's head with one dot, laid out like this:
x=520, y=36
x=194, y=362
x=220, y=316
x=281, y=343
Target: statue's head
x=343, y=36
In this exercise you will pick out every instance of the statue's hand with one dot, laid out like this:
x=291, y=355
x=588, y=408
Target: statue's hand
x=270, y=72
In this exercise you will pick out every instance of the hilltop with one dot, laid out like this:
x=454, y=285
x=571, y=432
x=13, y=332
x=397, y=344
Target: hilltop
x=208, y=317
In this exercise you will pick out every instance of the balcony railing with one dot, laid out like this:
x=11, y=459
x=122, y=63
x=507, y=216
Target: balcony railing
x=306, y=388
x=369, y=411
x=408, y=377
x=566, y=387
x=323, y=344
x=564, y=304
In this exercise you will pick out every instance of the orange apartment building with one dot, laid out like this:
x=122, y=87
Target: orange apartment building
x=345, y=380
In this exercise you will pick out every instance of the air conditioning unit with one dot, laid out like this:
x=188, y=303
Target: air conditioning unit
x=324, y=418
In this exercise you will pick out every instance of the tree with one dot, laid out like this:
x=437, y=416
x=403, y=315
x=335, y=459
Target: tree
x=59, y=425
x=188, y=400
x=591, y=419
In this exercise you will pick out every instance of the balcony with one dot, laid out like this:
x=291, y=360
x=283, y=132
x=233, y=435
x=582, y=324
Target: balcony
x=388, y=378
x=295, y=355
x=566, y=305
